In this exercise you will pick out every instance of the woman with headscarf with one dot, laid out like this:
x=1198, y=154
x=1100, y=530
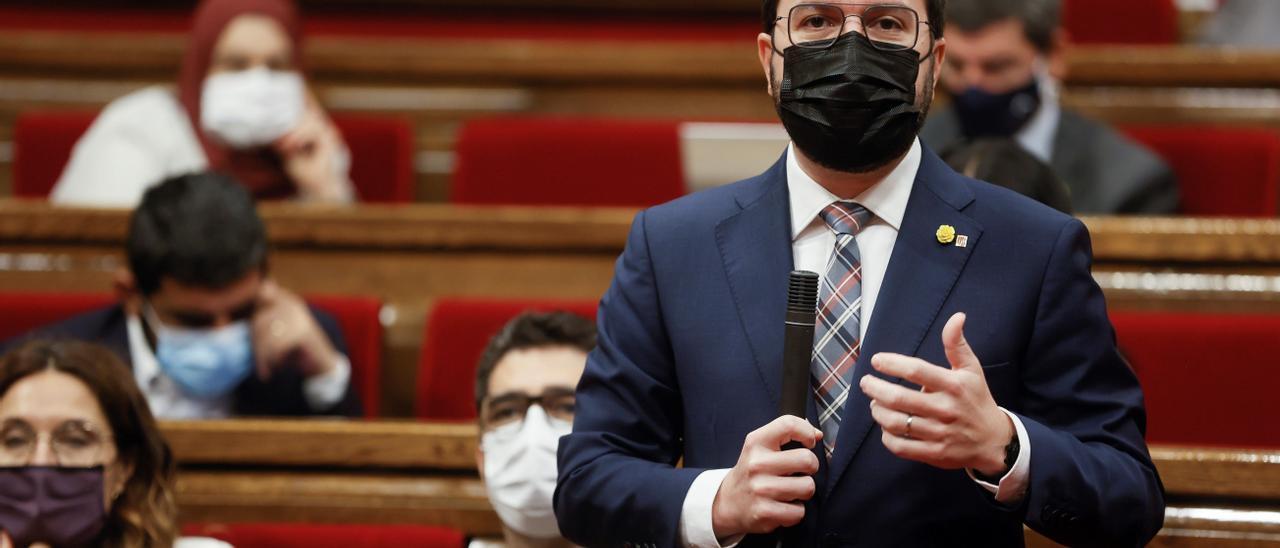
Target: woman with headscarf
x=242, y=107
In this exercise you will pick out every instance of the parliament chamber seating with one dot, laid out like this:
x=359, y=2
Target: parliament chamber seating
x=1221, y=171
x=358, y=316
x=309, y=535
x=1138, y=22
x=382, y=152
x=1208, y=378
x=457, y=331
x=566, y=161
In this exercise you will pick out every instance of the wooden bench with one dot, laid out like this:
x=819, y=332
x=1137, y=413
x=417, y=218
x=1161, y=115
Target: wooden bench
x=408, y=256
x=405, y=472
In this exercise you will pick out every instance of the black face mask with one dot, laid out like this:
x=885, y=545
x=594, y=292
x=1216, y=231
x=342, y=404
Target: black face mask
x=985, y=114
x=850, y=107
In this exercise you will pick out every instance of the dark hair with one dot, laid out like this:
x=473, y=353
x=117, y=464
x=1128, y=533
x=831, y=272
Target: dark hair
x=1040, y=18
x=145, y=514
x=200, y=229
x=533, y=330
x=934, y=11
x=1003, y=162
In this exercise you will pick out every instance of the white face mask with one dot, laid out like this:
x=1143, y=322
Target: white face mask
x=520, y=472
x=251, y=108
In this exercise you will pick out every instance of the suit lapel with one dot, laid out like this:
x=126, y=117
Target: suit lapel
x=921, y=274
x=755, y=247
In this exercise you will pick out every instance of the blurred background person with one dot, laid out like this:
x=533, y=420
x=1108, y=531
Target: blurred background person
x=208, y=333
x=1002, y=161
x=1244, y=23
x=1005, y=62
x=82, y=462
x=242, y=106
x=525, y=384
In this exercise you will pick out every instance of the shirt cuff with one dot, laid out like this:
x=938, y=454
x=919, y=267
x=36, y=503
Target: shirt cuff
x=1013, y=486
x=326, y=390
x=696, y=527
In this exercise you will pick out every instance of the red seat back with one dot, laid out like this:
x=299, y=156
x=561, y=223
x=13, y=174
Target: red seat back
x=361, y=322
x=381, y=148
x=559, y=161
x=1208, y=379
x=1121, y=22
x=357, y=316
x=456, y=333
x=1221, y=171
x=299, y=535
x=42, y=145
x=22, y=312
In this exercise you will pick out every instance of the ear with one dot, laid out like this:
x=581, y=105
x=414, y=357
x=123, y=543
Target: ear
x=939, y=59
x=764, y=49
x=118, y=483
x=480, y=461
x=125, y=288
x=1057, y=56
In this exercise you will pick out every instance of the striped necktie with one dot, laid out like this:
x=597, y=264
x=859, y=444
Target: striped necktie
x=837, y=340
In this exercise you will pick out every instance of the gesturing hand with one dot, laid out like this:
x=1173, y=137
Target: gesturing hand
x=953, y=422
x=767, y=488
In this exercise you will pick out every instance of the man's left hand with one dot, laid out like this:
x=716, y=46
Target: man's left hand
x=285, y=332
x=952, y=422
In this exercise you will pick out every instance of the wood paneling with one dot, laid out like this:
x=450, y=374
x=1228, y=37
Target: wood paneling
x=377, y=472
x=410, y=255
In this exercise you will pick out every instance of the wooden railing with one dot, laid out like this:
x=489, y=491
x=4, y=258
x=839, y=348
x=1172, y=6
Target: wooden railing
x=410, y=255
x=402, y=472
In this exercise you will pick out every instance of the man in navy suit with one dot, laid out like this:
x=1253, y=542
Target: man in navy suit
x=207, y=332
x=921, y=432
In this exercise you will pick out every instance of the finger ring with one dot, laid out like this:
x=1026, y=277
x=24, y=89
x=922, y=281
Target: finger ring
x=909, y=419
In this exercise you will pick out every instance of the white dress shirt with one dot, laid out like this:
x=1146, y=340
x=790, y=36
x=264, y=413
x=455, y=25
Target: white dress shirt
x=138, y=141
x=167, y=401
x=1038, y=135
x=812, y=244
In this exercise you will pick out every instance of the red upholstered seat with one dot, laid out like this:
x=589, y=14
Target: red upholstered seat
x=1221, y=171
x=361, y=322
x=1121, y=22
x=1209, y=379
x=308, y=535
x=456, y=334
x=22, y=312
x=357, y=316
x=562, y=161
x=382, y=152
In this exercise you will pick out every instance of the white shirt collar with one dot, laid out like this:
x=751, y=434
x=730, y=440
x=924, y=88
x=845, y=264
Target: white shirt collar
x=1038, y=135
x=146, y=368
x=886, y=199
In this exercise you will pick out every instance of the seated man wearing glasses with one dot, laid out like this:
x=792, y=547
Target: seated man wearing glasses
x=205, y=329
x=524, y=395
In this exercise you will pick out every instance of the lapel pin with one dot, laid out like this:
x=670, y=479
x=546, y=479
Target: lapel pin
x=962, y=241
x=946, y=234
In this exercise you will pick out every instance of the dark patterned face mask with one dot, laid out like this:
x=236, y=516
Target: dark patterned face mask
x=850, y=107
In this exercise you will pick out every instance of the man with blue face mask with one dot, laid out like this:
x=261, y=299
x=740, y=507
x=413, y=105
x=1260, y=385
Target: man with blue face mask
x=207, y=332
x=1005, y=62
x=524, y=397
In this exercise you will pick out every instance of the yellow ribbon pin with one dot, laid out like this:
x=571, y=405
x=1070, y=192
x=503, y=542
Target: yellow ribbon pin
x=946, y=234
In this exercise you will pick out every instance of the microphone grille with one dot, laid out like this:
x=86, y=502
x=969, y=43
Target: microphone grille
x=802, y=292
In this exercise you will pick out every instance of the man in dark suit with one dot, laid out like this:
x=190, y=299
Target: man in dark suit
x=1005, y=59
x=207, y=332
x=920, y=432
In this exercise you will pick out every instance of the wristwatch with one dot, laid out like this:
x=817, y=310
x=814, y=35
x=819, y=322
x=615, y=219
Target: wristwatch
x=1010, y=458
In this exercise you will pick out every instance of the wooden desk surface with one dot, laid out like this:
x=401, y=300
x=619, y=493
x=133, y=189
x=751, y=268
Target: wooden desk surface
x=404, y=472
x=411, y=255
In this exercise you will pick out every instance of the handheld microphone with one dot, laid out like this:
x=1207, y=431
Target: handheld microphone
x=797, y=346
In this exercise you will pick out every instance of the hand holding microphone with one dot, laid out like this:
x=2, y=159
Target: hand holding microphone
x=773, y=478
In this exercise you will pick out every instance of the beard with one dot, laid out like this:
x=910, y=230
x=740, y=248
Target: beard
x=923, y=101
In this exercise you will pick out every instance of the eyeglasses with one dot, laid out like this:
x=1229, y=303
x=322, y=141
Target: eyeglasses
x=73, y=443
x=888, y=27
x=558, y=403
